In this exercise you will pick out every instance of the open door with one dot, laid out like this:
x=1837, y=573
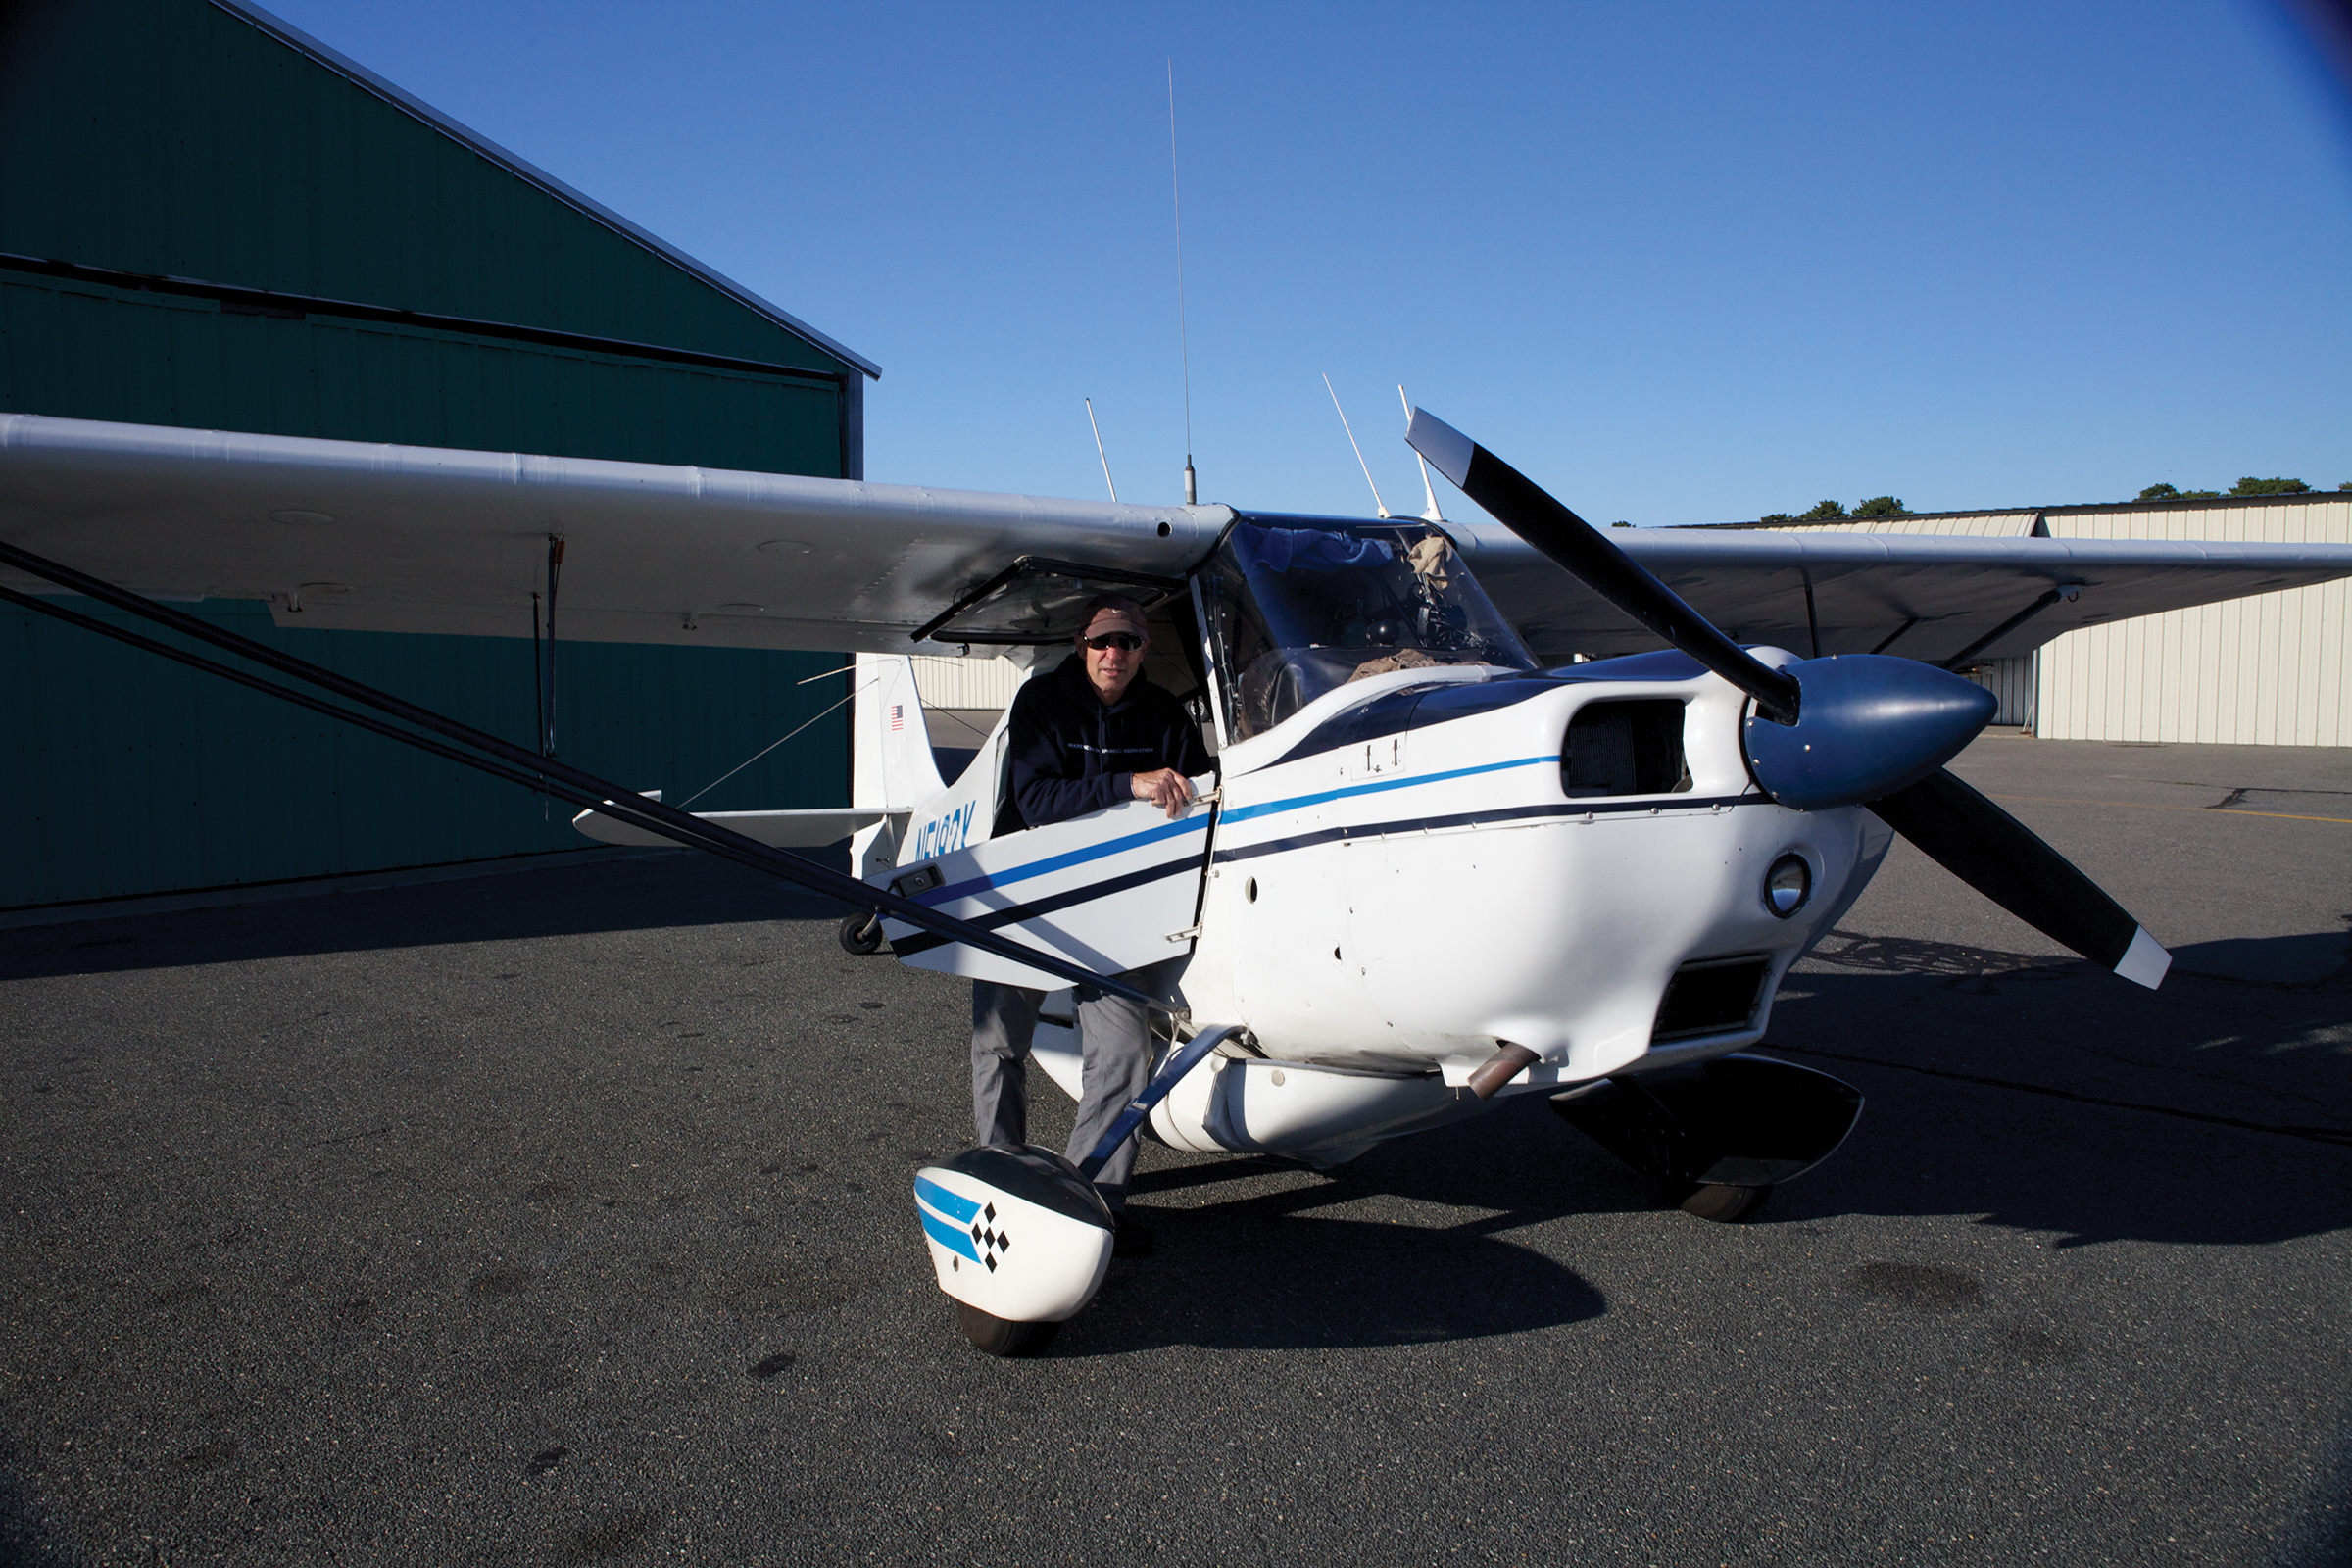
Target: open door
x=1113, y=890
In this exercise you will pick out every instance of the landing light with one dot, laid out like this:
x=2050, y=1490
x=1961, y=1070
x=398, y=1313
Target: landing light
x=1788, y=886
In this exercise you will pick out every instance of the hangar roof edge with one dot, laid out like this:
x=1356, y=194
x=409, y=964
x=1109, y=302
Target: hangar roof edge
x=2072, y=508
x=295, y=38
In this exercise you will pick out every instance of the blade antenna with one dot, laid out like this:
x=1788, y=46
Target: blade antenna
x=1428, y=490
x=1184, y=346
x=1099, y=452
x=1359, y=451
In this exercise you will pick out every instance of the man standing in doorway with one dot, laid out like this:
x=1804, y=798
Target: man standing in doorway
x=1091, y=733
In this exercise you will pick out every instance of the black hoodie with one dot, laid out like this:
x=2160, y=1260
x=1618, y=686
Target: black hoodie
x=1071, y=755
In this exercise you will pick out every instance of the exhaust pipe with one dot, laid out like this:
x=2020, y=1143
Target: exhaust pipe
x=1507, y=1062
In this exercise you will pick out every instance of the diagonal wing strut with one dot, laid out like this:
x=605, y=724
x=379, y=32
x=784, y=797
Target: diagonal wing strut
x=516, y=764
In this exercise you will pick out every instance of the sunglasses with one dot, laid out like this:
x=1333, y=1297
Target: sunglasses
x=1126, y=642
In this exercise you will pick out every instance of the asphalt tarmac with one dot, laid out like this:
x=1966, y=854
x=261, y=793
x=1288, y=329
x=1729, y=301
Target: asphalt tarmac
x=564, y=1217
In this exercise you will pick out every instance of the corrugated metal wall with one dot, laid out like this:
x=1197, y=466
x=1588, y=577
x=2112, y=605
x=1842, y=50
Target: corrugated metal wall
x=966, y=683
x=126, y=774
x=2275, y=670
x=2012, y=681
x=172, y=138
x=1971, y=524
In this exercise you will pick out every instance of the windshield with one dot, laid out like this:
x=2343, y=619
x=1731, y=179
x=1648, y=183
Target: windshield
x=1297, y=611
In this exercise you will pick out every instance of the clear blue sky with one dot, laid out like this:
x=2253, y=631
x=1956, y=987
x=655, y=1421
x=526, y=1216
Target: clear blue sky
x=1682, y=262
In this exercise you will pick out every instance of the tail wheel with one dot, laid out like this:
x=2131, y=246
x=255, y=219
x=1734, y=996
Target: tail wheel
x=861, y=934
x=997, y=1335
x=1722, y=1202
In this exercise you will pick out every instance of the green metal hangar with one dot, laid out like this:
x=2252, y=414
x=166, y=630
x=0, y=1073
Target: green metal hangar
x=208, y=220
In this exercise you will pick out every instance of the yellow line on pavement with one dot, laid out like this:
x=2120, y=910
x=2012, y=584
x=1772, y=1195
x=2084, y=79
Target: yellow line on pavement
x=2150, y=805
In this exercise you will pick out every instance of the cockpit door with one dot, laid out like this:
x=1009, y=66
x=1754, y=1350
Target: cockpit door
x=1113, y=890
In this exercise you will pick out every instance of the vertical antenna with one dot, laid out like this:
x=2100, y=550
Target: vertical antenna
x=1433, y=515
x=1099, y=452
x=1359, y=451
x=1191, y=491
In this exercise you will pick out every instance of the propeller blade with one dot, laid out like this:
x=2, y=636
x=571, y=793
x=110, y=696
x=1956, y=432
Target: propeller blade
x=1826, y=731
x=1995, y=853
x=1523, y=506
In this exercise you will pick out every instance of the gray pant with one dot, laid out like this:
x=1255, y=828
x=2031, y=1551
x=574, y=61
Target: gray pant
x=1114, y=1045
x=1004, y=1018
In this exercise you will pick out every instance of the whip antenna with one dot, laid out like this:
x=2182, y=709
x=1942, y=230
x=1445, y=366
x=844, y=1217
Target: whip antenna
x=1191, y=491
x=1099, y=452
x=1359, y=451
x=1433, y=515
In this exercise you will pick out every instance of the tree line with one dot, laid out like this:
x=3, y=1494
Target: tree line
x=1892, y=505
x=2247, y=486
x=1823, y=512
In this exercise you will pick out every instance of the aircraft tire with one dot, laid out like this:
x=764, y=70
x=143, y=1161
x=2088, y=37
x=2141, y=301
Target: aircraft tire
x=1722, y=1202
x=997, y=1335
x=861, y=934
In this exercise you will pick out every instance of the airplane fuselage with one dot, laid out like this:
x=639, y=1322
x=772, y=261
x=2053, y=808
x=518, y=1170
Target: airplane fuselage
x=1421, y=866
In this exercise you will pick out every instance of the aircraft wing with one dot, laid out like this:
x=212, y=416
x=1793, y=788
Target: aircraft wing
x=1926, y=597
x=347, y=534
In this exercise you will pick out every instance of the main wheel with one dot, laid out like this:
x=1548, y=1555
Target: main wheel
x=1722, y=1202
x=861, y=934
x=998, y=1337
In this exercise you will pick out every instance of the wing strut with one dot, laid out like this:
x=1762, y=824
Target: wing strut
x=516, y=764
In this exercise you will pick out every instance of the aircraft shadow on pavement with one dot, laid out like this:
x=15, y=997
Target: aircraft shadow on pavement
x=659, y=890
x=2047, y=1096
x=2311, y=958
x=29, y=1539
x=1996, y=1133
x=1268, y=1271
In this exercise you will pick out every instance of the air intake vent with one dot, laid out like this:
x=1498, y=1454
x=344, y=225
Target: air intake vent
x=1625, y=749
x=1712, y=995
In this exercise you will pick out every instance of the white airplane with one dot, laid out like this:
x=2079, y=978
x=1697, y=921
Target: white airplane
x=1440, y=864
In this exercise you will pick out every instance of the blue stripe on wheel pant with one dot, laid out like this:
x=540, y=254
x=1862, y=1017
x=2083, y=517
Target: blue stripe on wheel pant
x=952, y=1205
x=947, y=1236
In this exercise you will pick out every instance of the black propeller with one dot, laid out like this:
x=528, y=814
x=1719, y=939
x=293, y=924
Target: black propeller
x=1995, y=853
x=1861, y=730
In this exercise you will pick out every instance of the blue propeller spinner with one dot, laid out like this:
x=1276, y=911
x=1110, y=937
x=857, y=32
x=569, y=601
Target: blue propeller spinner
x=1867, y=725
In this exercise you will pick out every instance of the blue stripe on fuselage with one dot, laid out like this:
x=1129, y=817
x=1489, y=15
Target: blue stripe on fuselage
x=1242, y=814
x=1556, y=809
x=1057, y=863
x=947, y=1236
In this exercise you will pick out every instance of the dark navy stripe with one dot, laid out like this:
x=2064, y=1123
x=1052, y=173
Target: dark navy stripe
x=1417, y=707
x=925, y=941
x=1507, y=813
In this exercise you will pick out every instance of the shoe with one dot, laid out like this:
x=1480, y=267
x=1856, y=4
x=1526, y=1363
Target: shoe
x=1133, y=1238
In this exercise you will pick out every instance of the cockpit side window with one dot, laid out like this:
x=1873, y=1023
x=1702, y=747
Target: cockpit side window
x=1298, y=612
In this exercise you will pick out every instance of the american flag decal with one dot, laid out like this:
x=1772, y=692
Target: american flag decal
x=897, y=715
